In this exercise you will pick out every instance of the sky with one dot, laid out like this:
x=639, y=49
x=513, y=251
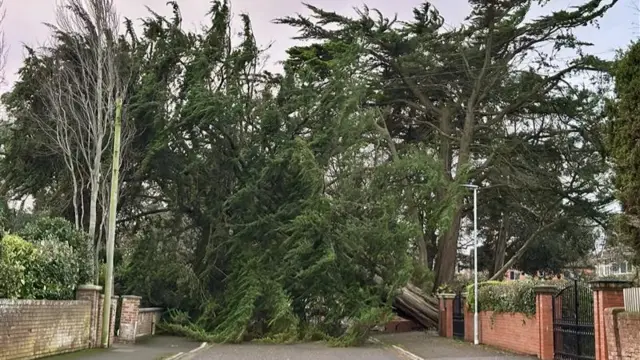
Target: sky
x=24, y=21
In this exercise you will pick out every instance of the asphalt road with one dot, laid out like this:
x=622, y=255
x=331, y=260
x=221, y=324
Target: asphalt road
x=294, y=352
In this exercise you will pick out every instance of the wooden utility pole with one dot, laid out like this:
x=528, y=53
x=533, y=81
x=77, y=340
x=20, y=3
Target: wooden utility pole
x=111, y=228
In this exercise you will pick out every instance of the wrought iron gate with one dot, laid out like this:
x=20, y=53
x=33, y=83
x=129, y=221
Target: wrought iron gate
x=573, y=333
x=458, y=317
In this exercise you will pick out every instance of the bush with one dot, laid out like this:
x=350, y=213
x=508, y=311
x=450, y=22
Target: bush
x=16, y=258
x=47, y=269
x=505, y=297
x=57, y=270
x=60, y=230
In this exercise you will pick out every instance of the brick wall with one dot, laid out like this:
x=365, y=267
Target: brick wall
x=514, y=332
x=129, y=319
x=31, y=329
x=623, y=334
x=147, y=320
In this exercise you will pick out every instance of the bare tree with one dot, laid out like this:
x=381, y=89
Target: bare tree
x=3, y=47
x=81, y=98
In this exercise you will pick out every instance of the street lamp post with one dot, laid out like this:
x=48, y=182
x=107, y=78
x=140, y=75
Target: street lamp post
x=476, y=339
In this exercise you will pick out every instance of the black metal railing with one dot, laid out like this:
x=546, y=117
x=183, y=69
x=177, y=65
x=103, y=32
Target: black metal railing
x=458, y=317
x=573, y=332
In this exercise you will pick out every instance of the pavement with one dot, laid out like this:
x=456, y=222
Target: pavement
x=429, y=346
x=150, y=348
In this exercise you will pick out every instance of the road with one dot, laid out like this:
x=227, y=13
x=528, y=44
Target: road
x=294, y=352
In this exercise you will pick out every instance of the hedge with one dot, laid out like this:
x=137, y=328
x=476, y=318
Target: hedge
x=56, y=229
x=46, y=269
x=506, y=296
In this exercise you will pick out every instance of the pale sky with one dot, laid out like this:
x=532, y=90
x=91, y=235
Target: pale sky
x=24, y=18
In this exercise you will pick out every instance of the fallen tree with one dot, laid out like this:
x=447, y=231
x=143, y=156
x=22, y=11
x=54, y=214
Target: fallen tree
x=420, y=307
x=414, y=303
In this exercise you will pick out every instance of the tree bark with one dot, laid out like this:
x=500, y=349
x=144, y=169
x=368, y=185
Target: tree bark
x=413, y=302
x=501, y=245
x=93, y=215
x=448, y=252
x=422, y=308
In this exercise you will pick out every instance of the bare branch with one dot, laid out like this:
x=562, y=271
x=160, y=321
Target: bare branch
x=3, y=45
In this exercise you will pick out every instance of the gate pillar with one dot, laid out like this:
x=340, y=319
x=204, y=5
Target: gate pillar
x=544, y=316
x=606, y=294
x=446, y=315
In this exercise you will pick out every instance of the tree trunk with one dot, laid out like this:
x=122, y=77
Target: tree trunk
x=94, y=268
x=420, y=307
x=431, y=239
x=500, y=273
x=448, y=251
x=413, y=302
x=501, y=245
x=423, y=252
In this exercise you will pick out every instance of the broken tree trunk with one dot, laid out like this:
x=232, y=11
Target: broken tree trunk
x=415, y=304
x=420, y=307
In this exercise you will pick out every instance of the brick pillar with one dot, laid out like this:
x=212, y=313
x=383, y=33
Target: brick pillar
x=129, y=318
x=112, y=324
x=544, y=316
x=446, y=315
x=614, y=350
x=606, y=294
x=442, y=315
x=91, y=293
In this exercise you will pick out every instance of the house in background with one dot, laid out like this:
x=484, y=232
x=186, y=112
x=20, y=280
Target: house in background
x=614, y=262
x=513, y=275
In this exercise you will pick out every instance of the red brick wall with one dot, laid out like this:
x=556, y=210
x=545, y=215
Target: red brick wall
x=604, y=299
x=514, y=332
x=147, y=320
x=129, y=319
x=31, y=329
x=623, y=334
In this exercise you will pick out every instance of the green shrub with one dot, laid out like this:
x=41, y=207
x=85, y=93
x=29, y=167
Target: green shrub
x=505, y=297
x=57, y=270
x=47, y=269
x=63, y=231
x=16, y=258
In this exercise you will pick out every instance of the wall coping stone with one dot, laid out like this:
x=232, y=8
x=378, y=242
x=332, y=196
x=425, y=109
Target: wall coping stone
x=135, y=297
x=610, y=284
x=545, y=289
x=629, y=315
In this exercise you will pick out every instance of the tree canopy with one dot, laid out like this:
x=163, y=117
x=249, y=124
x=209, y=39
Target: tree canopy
x=624, y=132
x=297, y=204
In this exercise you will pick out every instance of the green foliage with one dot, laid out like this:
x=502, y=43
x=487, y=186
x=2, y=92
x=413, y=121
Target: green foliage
x=16, y=258
x=422, y=277
x=47, y=269
x=624, y=133
x=505, y=297
x=56, y=270
x=56, y=229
